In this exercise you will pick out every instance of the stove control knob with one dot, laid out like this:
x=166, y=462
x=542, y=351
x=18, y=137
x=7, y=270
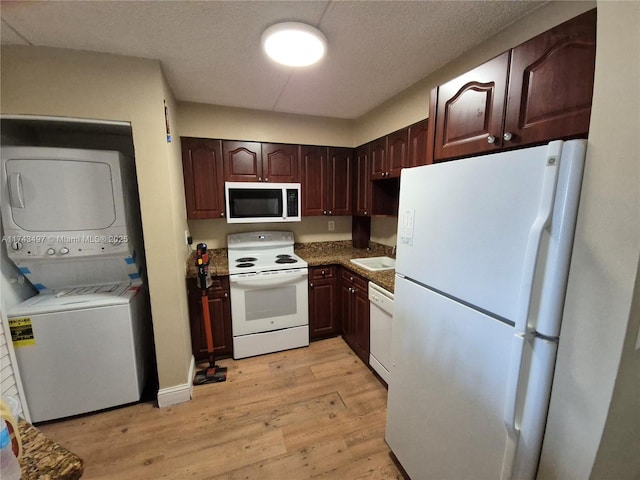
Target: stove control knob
x=51, y=251
x=64, y=250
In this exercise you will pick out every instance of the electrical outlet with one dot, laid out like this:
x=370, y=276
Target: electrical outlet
x=332, y=225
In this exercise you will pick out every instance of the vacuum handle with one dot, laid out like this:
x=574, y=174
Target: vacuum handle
x=202, y=263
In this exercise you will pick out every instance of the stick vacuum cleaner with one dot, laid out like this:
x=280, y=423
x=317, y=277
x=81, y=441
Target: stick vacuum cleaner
x=213, y=373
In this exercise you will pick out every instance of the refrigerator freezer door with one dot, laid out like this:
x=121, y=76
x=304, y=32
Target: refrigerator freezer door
x=472, y=228
x=448, y=389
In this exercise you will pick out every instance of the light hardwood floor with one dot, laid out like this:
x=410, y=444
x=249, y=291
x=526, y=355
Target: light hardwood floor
x=313, y=412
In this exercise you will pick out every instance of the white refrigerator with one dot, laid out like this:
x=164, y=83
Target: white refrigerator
x=484, y=246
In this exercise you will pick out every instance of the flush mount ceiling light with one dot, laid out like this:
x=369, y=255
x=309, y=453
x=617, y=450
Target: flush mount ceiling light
x=294, y=44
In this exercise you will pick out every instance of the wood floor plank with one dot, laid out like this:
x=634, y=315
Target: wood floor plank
x=315, y=412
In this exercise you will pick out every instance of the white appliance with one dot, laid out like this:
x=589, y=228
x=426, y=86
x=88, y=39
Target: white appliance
x=81, y=350
x=269, y=293
x=69, y=216
x=259, y=202
x=381, y=319
x=484, y=246
x=72, y=226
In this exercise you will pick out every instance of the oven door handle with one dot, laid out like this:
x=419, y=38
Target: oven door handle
x=261, y=281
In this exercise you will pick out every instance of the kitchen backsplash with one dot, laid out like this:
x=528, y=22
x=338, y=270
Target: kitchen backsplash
x=310, y=229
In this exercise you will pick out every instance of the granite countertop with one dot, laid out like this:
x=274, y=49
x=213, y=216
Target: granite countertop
x=44, y=459
x=316, y=254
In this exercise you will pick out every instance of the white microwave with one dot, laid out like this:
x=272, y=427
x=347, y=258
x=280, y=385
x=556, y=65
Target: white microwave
x=257, y=202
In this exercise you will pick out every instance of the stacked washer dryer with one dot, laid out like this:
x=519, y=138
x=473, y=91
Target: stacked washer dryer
x=72, y=227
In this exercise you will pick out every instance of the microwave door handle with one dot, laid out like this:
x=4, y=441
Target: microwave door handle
x=16, y=192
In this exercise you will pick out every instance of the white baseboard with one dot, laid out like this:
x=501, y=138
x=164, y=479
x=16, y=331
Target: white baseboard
x=178, y=393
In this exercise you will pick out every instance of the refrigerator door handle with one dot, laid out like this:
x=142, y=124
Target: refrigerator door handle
x=545, y=208
x=511, y=404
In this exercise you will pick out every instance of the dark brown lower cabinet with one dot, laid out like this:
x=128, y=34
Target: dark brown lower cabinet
x=324, y=318
x=354, y=305
x=220, y=313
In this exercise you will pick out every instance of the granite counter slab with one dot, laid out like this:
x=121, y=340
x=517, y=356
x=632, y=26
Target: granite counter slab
x=316, y=254
x=44, y=459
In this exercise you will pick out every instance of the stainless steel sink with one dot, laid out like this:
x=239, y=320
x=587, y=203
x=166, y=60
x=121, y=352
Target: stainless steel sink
x=375, y=264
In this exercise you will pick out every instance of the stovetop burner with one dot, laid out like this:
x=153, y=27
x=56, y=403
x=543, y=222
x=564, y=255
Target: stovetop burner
x=263, y=251
x=246, y=259
x=286, y=259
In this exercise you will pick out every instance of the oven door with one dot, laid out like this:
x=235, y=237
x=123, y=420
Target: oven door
x=267, y=301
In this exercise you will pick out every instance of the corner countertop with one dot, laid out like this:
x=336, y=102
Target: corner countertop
x=316, y=254
x=42, y=458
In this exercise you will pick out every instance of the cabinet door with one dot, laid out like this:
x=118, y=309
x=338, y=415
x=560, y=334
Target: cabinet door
x=313, y=168
x=470, y=110
x=361, y=323
x=242, y=161
x=551, y=83
x=203, y=177
x=355, y=313
x=377, y=158
x=345, y=310
x=323, y=300
x=417, y=151
x=220, y=316
x=279, y=163
x=397, y=152
x=339, y=181
x=362, y=177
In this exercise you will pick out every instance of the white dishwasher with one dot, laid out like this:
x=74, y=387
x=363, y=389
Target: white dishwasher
x=381, y=315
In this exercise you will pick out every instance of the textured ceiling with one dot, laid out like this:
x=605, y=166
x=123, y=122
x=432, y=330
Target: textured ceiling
x=210, y=51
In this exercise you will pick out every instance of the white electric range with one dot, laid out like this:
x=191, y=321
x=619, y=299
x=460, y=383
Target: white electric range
x=269, y=293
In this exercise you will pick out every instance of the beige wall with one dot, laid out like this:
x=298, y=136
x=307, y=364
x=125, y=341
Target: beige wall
x=600, y=325
x=45, y=81
x=211, y=121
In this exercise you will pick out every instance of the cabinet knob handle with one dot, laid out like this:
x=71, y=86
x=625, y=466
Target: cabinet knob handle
x=365, y=212
x=311, y=285
x=351, y=279
x=507, y=136
x=226, y=294
x=322, y=273
x=324, y=212
x=266, y=179
x=259, y=179
x=330, y=212
x=222, y=214
x=491, y=139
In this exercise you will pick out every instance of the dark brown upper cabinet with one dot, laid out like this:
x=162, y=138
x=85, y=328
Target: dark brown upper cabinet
x=397, y=154
x=326, y=180
x=470, y=110
x=260, y=162
x=362, y=182
x=313, y=168
x=536, y=92
x=417, y=151
x=551, y=83
x=340, y=181
x=280, y=163
x=378, y=158
x=203, y=177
